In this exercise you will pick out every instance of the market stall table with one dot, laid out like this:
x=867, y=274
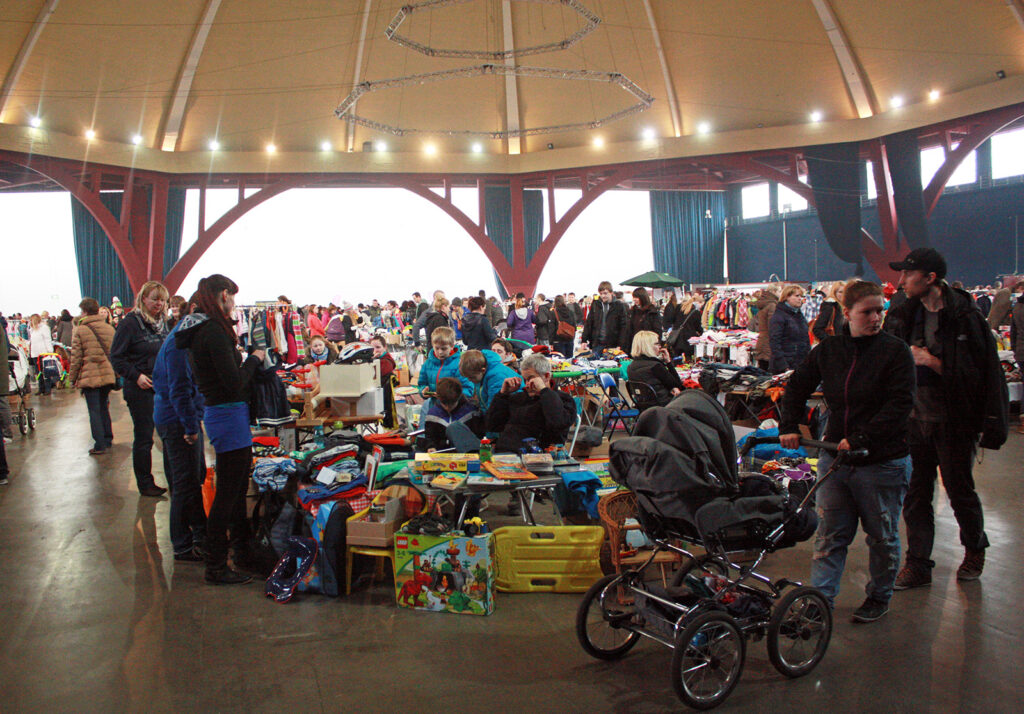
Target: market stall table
x=521, y=490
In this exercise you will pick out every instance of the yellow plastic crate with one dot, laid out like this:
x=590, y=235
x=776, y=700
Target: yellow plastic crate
x=559, y=559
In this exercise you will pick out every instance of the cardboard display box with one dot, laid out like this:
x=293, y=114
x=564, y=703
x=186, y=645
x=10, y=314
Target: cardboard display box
x=450, y=573
x=377, y=534
x=368, y=404
x=349, y=380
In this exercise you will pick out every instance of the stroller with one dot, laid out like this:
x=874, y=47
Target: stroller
x=22, y=413
x=52, y=372
x=682, y=466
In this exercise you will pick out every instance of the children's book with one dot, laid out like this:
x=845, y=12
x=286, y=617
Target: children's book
x=508, y=472
x=449, y=480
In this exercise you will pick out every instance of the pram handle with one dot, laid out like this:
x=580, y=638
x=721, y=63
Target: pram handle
x=753, y=441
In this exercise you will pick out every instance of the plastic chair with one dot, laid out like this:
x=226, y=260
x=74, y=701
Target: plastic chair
x=643, y=395
x=613, y=510
x=618, y=410
x=387, y=552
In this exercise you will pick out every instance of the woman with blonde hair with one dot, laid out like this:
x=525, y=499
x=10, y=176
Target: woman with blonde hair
x=686, y=325
x=830, y=318
x=137, y=342
x=652, y=365
x=39, y=343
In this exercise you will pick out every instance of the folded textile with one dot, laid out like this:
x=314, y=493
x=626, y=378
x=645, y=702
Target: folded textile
x=318, y=492
x=271, y=473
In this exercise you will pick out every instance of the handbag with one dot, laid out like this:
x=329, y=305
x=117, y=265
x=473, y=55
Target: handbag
x=565, y=331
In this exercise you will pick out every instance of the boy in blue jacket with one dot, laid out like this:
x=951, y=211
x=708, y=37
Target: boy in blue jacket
x=487, y=372
x=442, y=361
x=177, y=407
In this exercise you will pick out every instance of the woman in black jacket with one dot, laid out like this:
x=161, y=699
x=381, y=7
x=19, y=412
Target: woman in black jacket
x=223, y=378
x=138, y=339
x=787, y=331
x=687, y=325
x=644, y=315
x=830, y=318
x=563, y=314
x=868, y=379
x=652, y=366
x=477, y=332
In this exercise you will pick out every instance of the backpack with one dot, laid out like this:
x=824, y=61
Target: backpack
x=329, y=529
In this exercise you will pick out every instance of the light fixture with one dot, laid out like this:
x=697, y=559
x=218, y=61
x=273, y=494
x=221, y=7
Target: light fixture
x=649, y=134
x=35, y=122
x=598, y=142
x=477, y=147
x=380, y=146
x=90, y=134
x=703, y=128
x=214, y=144
x=816, y=116
x=137, y=139
x=325, y=146
x=934, y=95
x=271, y=149
x=896, y=102
x=430, y=149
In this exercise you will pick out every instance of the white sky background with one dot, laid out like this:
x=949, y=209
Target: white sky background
x=323, y=245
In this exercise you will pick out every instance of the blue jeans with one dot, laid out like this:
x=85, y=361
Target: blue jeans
x=185, y=479
x=872, y=495
x=97, y=400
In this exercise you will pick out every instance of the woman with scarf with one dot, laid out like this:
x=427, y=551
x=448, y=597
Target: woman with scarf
x=138, y=339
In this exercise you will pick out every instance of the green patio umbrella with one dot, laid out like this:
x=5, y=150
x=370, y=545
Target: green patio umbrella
x=652, y=279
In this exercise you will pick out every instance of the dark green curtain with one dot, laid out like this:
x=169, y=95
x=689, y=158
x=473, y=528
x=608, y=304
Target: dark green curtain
x=904, y=156
x=100, y=274
x=688, y=242
x=498, y=222
x=834, y=172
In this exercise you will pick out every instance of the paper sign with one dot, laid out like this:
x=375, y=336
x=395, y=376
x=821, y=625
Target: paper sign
x=327, y=476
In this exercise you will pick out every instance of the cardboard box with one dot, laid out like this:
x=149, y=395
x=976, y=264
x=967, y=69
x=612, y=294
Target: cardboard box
x=448, y=462
x=364, y=405
x=403, y=376
x=349, y=380
x=393, y=338
x=377, y=534
x=450, y=573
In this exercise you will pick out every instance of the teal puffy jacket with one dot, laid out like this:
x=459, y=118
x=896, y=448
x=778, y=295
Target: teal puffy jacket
x=494, y=377
x=433, y=369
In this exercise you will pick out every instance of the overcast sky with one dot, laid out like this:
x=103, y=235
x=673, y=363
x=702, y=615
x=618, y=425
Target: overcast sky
x=322, y=245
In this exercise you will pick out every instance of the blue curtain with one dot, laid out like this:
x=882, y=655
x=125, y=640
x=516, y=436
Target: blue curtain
x=100, y=274
x=498, y=222
x=688, y=232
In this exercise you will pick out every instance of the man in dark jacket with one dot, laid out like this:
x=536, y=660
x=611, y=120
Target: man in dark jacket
x=537, y=411
x=961, y=393
x=607, y=325
x=577, y=311
x=547, y=323
x=477, y=332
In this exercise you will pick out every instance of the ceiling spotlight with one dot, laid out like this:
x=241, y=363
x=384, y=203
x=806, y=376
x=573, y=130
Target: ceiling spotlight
x=325, y=146
x=649, y=134
x=477, y=147
x=90, y=134
x=271, y=149
x=137, y=139
x=214, y=144
x=380, y=146
x=896, y=102
x=430, y=149
x=703, y=128
x=598, y=142
x=550, y=145
x=934, y=95
x=35, y=122
x=1000, y=74
x=816, y=116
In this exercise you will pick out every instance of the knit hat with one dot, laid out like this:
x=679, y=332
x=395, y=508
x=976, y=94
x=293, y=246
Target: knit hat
x=115, y=301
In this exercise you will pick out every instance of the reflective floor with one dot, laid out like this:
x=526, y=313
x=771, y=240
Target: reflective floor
x=95, y=615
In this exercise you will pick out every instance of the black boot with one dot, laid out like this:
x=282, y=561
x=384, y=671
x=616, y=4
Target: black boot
x=226, y=576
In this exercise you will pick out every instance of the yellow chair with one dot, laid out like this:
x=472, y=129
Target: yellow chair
x=381, y=553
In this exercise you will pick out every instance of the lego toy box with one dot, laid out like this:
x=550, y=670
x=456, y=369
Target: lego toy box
x=448, y=573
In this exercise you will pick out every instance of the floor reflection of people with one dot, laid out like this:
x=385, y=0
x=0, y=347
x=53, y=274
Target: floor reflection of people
x=143, y=665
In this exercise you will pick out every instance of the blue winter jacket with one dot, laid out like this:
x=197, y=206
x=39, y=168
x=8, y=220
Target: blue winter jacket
x=433, y=369
x=176, y=398
x=496, y=374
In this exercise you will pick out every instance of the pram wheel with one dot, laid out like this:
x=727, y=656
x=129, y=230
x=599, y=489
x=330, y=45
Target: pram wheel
x=23, y=424
x=708, y=660
x=602, y=617
x=799, y=631
x=31, y=419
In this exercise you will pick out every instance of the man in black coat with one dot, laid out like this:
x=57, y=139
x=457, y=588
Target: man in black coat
x=961, y=394
x=607, y=325
x=535, y=412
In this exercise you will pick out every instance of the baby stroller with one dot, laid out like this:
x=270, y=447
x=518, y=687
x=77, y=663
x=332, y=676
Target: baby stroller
x=20, y=392
x=52, y=372
x=682, y=466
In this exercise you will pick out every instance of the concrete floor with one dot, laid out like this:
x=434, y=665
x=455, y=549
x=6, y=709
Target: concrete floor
x=95, y=615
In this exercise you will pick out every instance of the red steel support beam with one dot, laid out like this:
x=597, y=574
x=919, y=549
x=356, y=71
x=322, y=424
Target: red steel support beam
x=157, y=229
x=879, y=257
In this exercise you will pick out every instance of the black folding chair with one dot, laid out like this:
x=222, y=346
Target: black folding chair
x=642, y=395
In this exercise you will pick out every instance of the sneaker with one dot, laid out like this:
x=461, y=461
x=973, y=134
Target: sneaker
x=153, y=491
x=974, y=563
x=189, y=556
x=3, y=481
x=226, y=576
x=911, y=576
x=97, y=452
x=870, y=611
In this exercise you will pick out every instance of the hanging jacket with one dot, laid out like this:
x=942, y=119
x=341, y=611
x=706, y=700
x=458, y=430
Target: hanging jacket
x=972, y=378
x=477, y=332
x=787, y=332
x=136, y=344
x=433, y=369
x=520, y=322
x=868, y=383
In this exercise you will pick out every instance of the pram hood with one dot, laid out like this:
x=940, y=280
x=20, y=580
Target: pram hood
x=713, y=424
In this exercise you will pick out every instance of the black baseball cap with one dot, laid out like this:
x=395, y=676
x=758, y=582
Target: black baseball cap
x=927, y=260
